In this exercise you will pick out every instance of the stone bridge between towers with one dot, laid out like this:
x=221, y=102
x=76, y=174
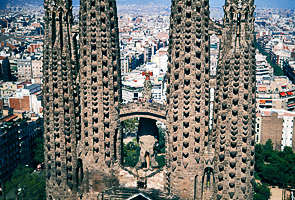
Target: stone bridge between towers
x=149, y=110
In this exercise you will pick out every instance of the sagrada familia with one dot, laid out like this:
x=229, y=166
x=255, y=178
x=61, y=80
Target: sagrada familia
x=83, y=110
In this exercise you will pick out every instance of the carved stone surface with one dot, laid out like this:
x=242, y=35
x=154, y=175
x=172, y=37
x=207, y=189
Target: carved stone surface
x=147, y=88
x=147, y=157
x=235, y=108
x=83, y=111
x=100, y=93
x=152, y=110
x=60, y=95
x=188, y=98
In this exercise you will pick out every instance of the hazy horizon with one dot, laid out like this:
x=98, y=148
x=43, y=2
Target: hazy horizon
x=284, y=4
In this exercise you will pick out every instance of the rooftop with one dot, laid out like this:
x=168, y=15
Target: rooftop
x=281, y=113
x=24, y=83
x=33, y=86
x=9, y=118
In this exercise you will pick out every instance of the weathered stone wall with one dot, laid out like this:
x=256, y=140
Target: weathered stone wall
x=128, y=177
x=143, y=109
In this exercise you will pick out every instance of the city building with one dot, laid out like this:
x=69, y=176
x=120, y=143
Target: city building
x=276, y=93
x=27, y=99
x=264, y=72
x=124, y=66
x=214, y=52
x=29, y=131
x=37, y=70
x=289, y=70
x=9, y=152
x=24, y=68
x=7, y=89
x=17, y=141
x=277, y=125
x=5, y=74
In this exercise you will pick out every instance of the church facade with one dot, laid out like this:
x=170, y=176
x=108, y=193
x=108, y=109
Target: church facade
x=83, y=110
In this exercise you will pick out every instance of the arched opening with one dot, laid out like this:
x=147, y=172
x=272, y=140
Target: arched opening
x=87, y=180
x=143, y=143
x=115, y=144
x=196, y=187
x=79, y=172
x=207, y=183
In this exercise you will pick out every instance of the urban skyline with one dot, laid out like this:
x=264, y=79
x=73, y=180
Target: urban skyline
x=284, y=4
x=144, y=40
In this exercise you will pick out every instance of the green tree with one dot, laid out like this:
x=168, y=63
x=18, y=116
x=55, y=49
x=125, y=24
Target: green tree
x=268, y=150
x=32, y=184
x=131, y=153
x=132, y=145
x=259, y=158
x=160, y=160
x=130, y=125
x=276, y=168
x=160, y=146
x=277, y=69
x=261, y=191
x=39, y=151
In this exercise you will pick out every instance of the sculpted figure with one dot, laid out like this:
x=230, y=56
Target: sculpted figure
x=147, y=138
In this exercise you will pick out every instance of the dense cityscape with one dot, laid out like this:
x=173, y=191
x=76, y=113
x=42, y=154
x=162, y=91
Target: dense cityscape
x=144, y=40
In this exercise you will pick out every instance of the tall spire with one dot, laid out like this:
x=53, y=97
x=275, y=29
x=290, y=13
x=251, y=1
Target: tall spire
x=235, y=103
x=100, y=89
x=188, y=100
x=59, y=101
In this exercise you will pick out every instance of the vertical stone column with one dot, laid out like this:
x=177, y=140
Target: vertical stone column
x=235, y=99
x=59, y=116
x=100, y=92
x=188, y=149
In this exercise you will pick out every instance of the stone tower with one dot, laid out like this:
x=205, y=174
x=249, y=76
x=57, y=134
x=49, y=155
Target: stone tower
x=100, y=96
x=235, y=103
x=190, y=156
x=83, y=113
x=60, y=99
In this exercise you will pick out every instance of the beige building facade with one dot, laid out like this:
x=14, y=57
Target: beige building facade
x=277, y=125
